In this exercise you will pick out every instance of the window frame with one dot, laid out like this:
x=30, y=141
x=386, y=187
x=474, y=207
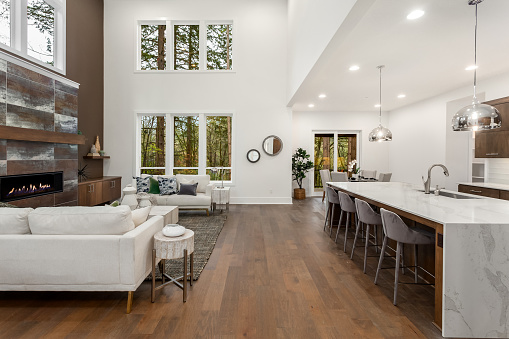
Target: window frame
x=170, y=41
x=19, y=34
x=202, y=142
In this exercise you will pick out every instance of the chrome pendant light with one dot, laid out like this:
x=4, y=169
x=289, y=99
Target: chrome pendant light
x=380, y=133
x=476, y=116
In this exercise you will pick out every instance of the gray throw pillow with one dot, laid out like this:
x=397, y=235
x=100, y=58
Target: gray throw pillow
x=167, y=186
x=142, y=184
x=188, y=189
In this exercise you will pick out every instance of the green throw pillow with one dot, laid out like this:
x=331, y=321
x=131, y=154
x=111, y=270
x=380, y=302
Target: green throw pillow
x=154, y=186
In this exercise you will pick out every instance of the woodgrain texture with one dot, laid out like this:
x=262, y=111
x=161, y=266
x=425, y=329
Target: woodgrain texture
x=18, y=116
x=16, y=133
x=25, y=93
x=274, y=273
x=66, y=104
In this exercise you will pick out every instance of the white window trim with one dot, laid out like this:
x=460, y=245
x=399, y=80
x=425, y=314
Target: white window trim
x=202, y=146
x=202, y=65
x=19, y=34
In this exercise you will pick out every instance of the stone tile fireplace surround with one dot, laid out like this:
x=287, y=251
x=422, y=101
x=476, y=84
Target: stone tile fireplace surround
x=36, y=101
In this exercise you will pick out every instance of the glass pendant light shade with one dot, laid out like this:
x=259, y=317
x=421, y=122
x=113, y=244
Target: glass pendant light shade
x=380, y=133
x=476, y=116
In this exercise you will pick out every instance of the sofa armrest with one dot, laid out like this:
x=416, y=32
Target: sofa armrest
x=209, y=188
x=136, y=250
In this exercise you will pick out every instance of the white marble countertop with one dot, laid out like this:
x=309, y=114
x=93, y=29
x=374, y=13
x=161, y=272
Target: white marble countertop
x=486, y=185
x=444, y=210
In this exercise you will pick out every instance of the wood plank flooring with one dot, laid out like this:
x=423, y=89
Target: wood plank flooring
x=274, y=273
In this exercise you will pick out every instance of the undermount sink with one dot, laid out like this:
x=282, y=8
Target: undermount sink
x=453, y=195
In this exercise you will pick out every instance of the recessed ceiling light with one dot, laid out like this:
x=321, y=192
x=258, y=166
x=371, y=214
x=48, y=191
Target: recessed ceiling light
x=354, y=68
x=321, y=96
x=378, y=105
x=415, y=14
x=401, y=96
x=311, y=105
x=471, y=68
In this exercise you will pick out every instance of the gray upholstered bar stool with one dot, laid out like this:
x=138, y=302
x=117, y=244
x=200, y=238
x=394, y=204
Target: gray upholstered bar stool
x=365, y=215
x=347, y=206
x=396, y=229
x=332, y=201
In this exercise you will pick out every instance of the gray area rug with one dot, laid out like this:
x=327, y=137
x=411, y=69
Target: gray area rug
x=206, y=230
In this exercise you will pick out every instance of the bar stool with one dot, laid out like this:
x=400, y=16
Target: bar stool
x=365, y=215
x=396, y=229
x=332, y=199
x=347, y=206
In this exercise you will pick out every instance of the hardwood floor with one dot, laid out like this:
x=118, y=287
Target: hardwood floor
x=274, y=273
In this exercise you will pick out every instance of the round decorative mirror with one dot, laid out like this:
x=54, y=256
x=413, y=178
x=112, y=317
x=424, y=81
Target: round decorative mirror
x=272, y=145
x=253, y=155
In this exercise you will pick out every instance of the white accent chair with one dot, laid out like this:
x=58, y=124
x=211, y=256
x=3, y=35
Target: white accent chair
x=339, y=176
x=325, y=176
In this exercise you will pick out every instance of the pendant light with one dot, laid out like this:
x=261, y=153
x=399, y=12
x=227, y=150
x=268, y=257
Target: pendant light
x=476, y=116
x=380, y=133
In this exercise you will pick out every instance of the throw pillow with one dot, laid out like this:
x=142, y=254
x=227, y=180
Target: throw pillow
x=167, y=186
x=142, y=184
x=185, y=181
x=154, y=186
x=140, y=215
x=188, y=189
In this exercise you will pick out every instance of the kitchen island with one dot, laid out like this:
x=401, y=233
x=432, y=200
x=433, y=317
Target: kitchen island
x=471, y=253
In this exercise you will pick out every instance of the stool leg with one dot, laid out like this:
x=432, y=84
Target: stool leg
x=153, y=290
x=396, y=274
x=415, y=263
x=339, y=224
x=375, y=229
x=382, y=254
x=346, y=230
x=355, y=238
x=184, y=281
x=327, y=212
x=331, y=220
x=366, y=248
x=192, y=268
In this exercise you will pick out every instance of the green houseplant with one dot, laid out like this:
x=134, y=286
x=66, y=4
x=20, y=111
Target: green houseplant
x=300, y=166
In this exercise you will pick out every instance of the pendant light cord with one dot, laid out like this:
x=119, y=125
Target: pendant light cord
x=380, y=101
x=475, y=52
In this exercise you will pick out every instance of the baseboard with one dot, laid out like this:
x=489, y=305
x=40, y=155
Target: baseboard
x=261, y=200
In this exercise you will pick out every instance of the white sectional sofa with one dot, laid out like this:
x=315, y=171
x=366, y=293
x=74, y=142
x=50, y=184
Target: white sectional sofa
x=75, y=249
x=201, y=201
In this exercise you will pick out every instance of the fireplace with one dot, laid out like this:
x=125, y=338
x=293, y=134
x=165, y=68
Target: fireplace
x=16, y=187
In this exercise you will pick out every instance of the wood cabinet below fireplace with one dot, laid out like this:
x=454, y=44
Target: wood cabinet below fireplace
x=99, y=191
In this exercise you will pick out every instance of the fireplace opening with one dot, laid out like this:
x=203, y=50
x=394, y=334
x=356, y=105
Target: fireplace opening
x=15, y=187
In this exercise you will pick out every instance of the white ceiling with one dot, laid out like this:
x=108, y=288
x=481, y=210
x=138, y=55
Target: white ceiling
x=423, y=58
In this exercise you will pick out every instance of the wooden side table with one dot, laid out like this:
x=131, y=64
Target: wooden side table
x=167, y=248
x=221, y=196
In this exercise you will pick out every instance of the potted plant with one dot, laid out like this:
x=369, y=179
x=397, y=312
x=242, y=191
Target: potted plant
x=353, y=169
x=300, y=165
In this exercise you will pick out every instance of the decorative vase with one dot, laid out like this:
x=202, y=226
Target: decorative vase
x=130, y=198
x=299, y=193
x=173, y=230
x=97, y=144
x=355, y=176
x=144, y=201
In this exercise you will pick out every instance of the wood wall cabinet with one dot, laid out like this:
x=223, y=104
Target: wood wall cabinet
x=485, y=192
x=495, y=143
x=99, y=191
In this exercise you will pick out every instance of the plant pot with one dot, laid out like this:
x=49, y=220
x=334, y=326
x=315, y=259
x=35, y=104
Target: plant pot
x=299, y=193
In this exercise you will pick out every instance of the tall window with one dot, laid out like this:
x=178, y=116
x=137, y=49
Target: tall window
x=199, y=144
x=186, y=40
x=42, y=36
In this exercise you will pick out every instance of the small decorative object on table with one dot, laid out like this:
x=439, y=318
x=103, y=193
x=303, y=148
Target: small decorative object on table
x=93, y=152
x=353, y=170
x=215, y=170
x=144, y=200
x=300, y=165
x=102, y=153
x=173, y=230
x=130, y=197
x=97, y=144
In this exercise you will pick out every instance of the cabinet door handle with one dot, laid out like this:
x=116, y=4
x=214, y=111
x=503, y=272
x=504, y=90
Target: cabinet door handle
x=474, y=191
x=89, y=188
x=93, y=188
x=491, y=153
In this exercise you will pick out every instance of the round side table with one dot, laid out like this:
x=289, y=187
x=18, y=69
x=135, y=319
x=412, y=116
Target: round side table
x=167, y=248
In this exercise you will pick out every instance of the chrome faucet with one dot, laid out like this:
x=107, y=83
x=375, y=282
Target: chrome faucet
x=427, y=183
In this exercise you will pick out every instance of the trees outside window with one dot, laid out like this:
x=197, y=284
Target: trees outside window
x=186, y=143
x=153, y=47
x=41, y=27
x=219, y=46
x=186, y=46
x=153, y=144
x=219, y=147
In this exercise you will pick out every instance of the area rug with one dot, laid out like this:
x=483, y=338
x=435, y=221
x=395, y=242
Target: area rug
x=206, y=230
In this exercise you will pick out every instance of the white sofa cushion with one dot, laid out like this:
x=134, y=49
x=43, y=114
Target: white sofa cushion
x=140, y=215
x=199, y=200
x=104, y=220
x=14, y=220
x=202, y=180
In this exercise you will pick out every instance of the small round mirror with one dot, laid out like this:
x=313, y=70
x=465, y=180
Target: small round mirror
x=253, y=155
x=272, y=145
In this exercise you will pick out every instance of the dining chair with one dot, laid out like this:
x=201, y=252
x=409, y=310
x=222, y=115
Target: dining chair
x=366, y=215
x=326, y=177
x=332, y=201
x=347, y=206
x=384, y=177
x=368, y=174
x=339, y=177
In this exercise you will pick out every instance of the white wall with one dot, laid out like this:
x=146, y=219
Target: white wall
x=373, y=155
x=421, y=134
x=311, y=26
x=256, y=92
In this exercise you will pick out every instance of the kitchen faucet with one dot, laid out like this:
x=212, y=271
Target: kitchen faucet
x=427, y=183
